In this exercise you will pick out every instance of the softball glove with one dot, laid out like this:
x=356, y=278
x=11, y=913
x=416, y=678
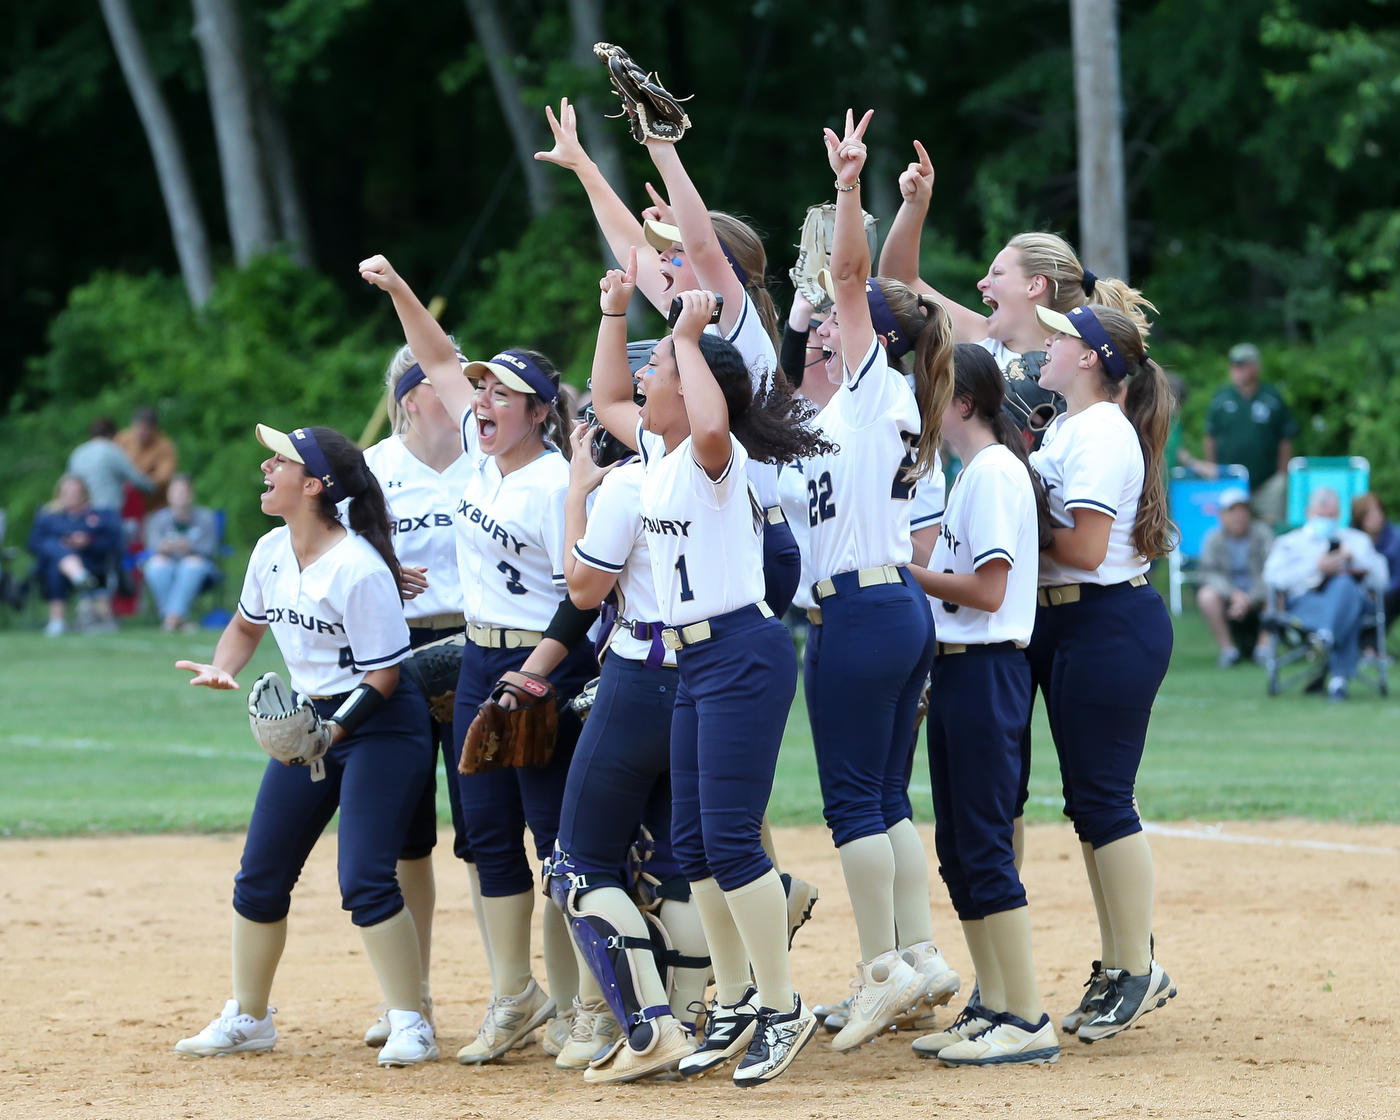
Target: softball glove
x=293, y=734
x=519, y=736
x=652, y=110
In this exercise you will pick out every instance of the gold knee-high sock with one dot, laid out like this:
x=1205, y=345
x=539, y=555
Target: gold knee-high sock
x=1010, y=935
x=392, y=948
x=991, y=992
x=1129, y=883
x=560, y=965
x=728, y=956
x=682, y=922
x=588, y=990
x=508, y=933
x=765, y=835
x=1106, y=943
x=913, y=918
x=479, y=912
x=868, y=864
x=257, y=947
x=760, y=913
x=419, y=889
x=1018, y=840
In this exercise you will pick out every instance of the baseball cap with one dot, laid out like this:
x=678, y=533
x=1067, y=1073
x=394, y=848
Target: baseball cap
x=300, y=446
x=1233, y=497
x=1083, y=324
x=1244, y=354
x=660, y=235
x=515, y=371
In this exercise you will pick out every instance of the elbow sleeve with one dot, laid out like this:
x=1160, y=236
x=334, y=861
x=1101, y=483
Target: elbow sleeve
x=793, y=356
x=570, y=624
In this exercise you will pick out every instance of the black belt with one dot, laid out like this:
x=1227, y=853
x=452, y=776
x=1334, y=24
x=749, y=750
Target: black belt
x=946, y=648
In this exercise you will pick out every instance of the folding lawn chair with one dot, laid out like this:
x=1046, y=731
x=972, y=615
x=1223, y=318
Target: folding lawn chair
x=1349, y=476
x=1195, y=507
x=1298, y=655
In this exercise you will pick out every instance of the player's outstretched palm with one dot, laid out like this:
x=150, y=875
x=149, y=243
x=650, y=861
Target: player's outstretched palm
x=210, y=676
x=916, y=182
x=847, y=153
x=567, y=151
x=617, y=286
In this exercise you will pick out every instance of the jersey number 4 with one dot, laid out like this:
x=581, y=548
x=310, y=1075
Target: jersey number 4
x=820, y=507
x=512, y=574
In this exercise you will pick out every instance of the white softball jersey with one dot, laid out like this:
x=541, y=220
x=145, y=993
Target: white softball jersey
x=1093, y=460
x=334, y=621
x=858, y=500
x=926, y=510
x=422, y=506
x=990, y=516
x=756, y=348
x=999, y=352
x=510, y=538
x=792, y=492
x=706, y=543
x=614, y=542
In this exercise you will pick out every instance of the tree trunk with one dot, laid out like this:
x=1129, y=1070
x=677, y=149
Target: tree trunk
x=277, y=150
x=495, y=41
x=880, y=185
x=219, y=32
x=1103, y=220
x=586, y=18
x=181, y=206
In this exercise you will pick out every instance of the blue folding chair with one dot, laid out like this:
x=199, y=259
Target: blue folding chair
x=1195, y=507
x=1348, y=475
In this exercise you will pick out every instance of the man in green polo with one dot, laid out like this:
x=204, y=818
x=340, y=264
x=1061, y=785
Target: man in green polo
x=1249, y=423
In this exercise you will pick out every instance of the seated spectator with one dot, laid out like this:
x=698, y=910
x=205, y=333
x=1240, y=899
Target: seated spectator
x=1320, y=569
x=151, y=452
x=1368, y=515
x=103, y=467
x=74, y=545
x=182, y=540
x=1233, y=591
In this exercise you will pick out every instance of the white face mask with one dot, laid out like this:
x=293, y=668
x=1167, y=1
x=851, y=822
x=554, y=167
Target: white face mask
x=1324, y=528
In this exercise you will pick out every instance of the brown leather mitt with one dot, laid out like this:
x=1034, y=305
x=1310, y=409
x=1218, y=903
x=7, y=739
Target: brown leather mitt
x=651, y=109
x=519, y=736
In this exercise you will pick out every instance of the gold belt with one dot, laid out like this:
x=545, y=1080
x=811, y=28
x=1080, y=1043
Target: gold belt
x=866, y=577
x=1064, y=593
x=489, y=637
x=448, y=620
x=678, y=637
x=775, y=515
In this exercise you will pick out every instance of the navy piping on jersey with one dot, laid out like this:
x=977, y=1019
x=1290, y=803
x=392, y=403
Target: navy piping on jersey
x=859, y=377
x=378, y=660
x=250, y=616
x=927, y=519
x=602, y=564
x=1090, y=502
x=994, y=552
x=729, y=466
x=743, y=314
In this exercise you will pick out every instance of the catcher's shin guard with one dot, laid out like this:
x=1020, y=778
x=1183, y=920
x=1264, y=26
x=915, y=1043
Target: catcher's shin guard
x=668, y=958
x=612, y=956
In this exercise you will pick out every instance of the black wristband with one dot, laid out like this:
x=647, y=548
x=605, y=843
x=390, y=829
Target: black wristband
x=362, y=703
x=615, y=314
x=569, y=626
x=793, y=356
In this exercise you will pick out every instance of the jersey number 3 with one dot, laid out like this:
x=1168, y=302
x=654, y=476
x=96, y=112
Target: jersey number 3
x=820, y=507
x=512, y=573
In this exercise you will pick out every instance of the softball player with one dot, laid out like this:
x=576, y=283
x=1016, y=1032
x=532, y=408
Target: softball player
x=983, y=575
x=870, y=641
x=422, y=471
x=736, y=665
x=1102, y=637
x=683, y=246
x=510, y=532
x=331, y=598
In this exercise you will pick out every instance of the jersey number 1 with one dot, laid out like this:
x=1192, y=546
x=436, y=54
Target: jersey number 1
x=686, y=593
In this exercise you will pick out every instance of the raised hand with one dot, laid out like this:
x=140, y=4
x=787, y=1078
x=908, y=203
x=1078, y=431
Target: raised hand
x=916, y=181
x=617, y=286
x=379, y=272
x=210, y=676
x=696, y=309
x=847, y=153
x=584, y=474
x=567, y=151
x=660, y=209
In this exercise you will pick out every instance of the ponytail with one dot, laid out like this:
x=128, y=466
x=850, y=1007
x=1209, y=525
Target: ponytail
x=1148, y=403
x=746, y=248
x=978, y=380
x=924, y=320
x=369, y=512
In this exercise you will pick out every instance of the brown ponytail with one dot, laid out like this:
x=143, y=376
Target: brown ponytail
x=743, y=241
x=923, y=319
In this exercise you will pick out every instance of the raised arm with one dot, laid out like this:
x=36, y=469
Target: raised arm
x=850, y=252
x=588, y=586
x=426, y=338
x=899, y=259
x=236, y=647
x=620, y=226
x=704, y=400
x=611, y=381
x=698, y=236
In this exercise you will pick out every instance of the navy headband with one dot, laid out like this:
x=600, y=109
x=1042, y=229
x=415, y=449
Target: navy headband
x=412, y=378
x=1088, y=282
x=317, y=465
x=884, y=322
x=525, y=368
x=738, y=269
x=1092, y=332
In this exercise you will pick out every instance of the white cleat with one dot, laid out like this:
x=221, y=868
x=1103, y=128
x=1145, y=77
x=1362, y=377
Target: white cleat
x=886, y=988
x=379, y=1031
x=231, y=1033
x=1009, y=1041
x=668, y=1044
x=778, y=1038
x=509, y=1019
x=411, y=1040
x=971, y=1021
x=594, y=1033
x=941, y=983
x=801, y=898
x=558, y=1031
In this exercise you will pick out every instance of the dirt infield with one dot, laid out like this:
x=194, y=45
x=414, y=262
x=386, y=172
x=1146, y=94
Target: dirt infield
x=1285, y=957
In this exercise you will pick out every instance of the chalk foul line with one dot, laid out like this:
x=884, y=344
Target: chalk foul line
x=1218, y=834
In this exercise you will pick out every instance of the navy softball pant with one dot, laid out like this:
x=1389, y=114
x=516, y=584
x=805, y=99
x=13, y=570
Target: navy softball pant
x=620, y=774
x=782, y=566
x=979, y=702
x=1102, y=661
x=375, y=777
x=423, y=830
x=731, y=709
x=497, y=805
x=865, y=667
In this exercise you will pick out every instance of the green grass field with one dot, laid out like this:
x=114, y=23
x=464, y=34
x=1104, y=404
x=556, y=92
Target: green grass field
x=102, y=734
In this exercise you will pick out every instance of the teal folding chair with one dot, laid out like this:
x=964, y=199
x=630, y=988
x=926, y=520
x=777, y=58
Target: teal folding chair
x=1195, y=507
x=1348, y=475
